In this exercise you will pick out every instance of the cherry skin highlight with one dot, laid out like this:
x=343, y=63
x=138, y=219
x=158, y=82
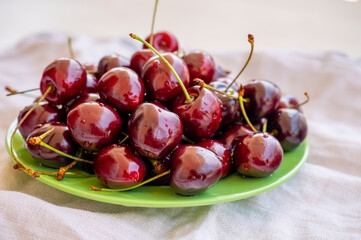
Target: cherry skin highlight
x=68, y=79
x=94, y=125
x=200, y=65
x=59, y=139
x=154, y=131
x=163, y=42
x=257, y=155
x=117, y=166
x=161, y=84
x=122, y=89
x=194, y=169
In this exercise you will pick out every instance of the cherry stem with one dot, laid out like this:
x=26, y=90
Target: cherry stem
x=304, y=102
x=92, y=71
x=264, y=126
x=240, y=97
x=153, y=20
x=14, y=92
x=124, y=139
x=126, y=189
x=166, y=62
x=38, y=141
x=63, y=170
x=70, y=47
x=19, y=165
x=251, y=41
x=200, y=82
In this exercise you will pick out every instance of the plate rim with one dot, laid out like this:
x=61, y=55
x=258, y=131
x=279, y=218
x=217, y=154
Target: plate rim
x=164, y=203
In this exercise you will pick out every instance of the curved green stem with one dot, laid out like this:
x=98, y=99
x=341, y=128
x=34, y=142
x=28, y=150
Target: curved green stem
x=264, y=126
x=14, y=92
x=251, y=41
x=129, y=188
x=153, y=20
x=166, y=62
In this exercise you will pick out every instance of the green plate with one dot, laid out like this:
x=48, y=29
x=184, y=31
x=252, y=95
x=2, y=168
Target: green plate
x=233, y=187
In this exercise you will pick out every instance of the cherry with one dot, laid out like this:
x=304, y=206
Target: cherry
x=91, y=84
x=160, y=81
x=290, y=101
x=154, y=131
x=230, y=137
x=264, y=97
x=111, y=61
x=231, y=111
x=67, y=79
x=289, y=126
x=163, y=42
x=200, y=65
x=59, y=138
x=43, y=113
x=117, y=166
x=194, y=169
x=139, y=58
x=94, y=125
x=219, y=73
x=202, y=116
x=86, y=97
x=221, y=151
x=122, y=89
x=257, y=155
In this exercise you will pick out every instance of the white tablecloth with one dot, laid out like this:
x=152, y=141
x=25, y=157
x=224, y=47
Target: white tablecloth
x=322, y=201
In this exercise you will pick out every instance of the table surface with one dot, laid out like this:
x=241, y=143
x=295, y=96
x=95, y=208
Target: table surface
x=307, y=26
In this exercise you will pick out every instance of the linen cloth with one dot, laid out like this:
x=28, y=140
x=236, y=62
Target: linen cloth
x=322, y=201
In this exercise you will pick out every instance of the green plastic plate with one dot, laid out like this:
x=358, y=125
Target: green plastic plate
x=233, y=187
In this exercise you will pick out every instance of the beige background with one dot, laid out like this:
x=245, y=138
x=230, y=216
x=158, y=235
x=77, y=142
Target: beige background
x=305, y=26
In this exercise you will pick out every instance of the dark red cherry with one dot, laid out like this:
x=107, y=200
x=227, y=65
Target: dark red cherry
x=139, y=58
x=43, y=113
x=160, y=82
x=59, y=139
x=91, y=84
x=68, y=79
x=111, y=61
x=263, y=96
x=291, y=127
x=122, y=89
x=219, y=73
x=231, y=110
x=94, y=125
x=289, y=101
x=117, y=166
x=200, y=65
x=257, y=155
x=221, y=151
x=194, y=169
x=154, y=131
x=163, y=42
x=230, y=137
x=201, y=117
x=86, y=97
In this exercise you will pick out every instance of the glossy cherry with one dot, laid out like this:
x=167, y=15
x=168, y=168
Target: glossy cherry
x=154, y=131
x=43, y=113
x=194, y=169
x=289, y=101
x=202, y=116
x=59, y=139
x=230, y=137
x=67, y=77
x=289, y=126
x=118, y=166
x=122, y=89
x=160, y=82
x=221, y=151
x=163, y=42
x=94, y=125
x=231, y=111
x=91, y=84
x=257, y=155
x=139, y=58
x=264, y=97
x=111, y=61
x=200, y=65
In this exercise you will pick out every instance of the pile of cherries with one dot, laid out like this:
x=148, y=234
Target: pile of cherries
x=176, y=112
